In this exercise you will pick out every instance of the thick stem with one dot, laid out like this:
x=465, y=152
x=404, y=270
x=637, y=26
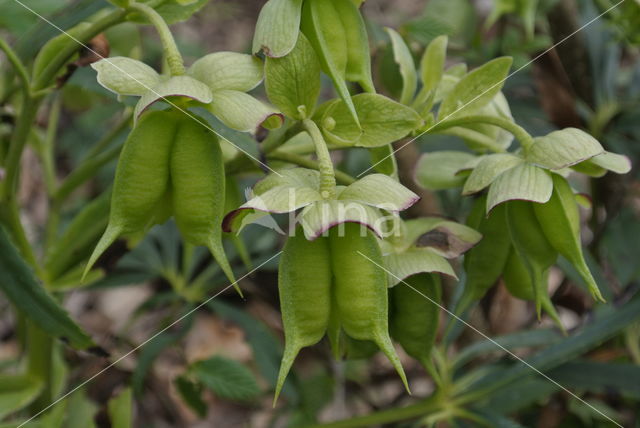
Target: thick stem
x=325, y=166
x=526, y=140
x=169, y=47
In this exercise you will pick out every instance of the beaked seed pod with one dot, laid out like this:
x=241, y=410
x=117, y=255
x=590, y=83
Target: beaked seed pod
x=304, y=285
x=360, y=287
x=198, y=188
x=415, y=315
x=142, y=178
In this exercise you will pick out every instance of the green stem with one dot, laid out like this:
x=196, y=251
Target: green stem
x=45, y=78
x=526, y=140
x=429, y=405
x=170, y=49
x=341, y=177
x=48, y=147
x=17, y=65
x=40, y=348
x=325, y=165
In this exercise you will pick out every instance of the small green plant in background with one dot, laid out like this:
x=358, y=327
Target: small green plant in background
x=357, y=266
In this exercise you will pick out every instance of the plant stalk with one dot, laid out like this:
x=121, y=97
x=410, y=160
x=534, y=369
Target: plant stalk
x=325, y=165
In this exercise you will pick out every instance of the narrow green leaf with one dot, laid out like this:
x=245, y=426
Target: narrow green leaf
x=432, y=63
x=524, y=182
x=438, y=170
x=226, y=378
x=382, y=121
x=358, y=52
x=277, y=28
x=476, y=89
x=563, y=148
x=402, y=56
x=293, y=82
x=121, y=409
x=21, y=287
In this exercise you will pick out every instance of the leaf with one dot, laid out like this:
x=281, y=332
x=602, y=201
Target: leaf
x=523, y=182
x=226, y=378
x=600, y=377
x=384, y=160
x=80, y=412
x=121, y=409
x=438, y=170
x=228, y=70
x=177, y=86
x=358, y=53
x=432, y=63
x=293, y=82
x=241, y=111
x=476, y=89
x=318, y=218
x=382, y=121
x=54, y=45
x=125, y=76
x=487, y=170
x=598, y=165
x=21, y=287
x=563, y=148
x=191, y=393
x=415, y=260
x=380, y=191
x=17, y=391
x=277, y=28
x=402, y=56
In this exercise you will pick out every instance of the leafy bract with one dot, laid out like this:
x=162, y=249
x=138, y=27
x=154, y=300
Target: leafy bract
x=487, y=170
x=177, y=86
x=277, y=28
x=318, y=218
x=382, y=121
x=293, y=82
x=125, y=76
x=476, y=89
x=563, y=148
x=402, y=56
x=380, y=191
x=413, y=261
x=240, y=111
x=438, y=170
x=523, y=182
x=228, y=70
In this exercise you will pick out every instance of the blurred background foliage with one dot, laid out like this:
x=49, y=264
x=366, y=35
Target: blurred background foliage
x=217, y=367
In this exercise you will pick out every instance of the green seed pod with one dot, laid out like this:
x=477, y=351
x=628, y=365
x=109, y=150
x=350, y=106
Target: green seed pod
x=531, y=245
x=414, y=318
x=142, y=178
x=198, y=188
x=485, y=262
x=304, y=284
x=360, y=287
x=358, y=56
x=322, y=25
x=560, y=221
x=518, y=282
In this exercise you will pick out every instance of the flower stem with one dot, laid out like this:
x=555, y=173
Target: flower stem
x=169, y=47
x=325, y=166
x=17, y=65
x=281, y=155
x=526, y=140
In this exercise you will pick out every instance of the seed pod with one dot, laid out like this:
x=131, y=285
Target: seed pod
x=304, y=284
x=360, y=287
x=485, y=262
x=560, y=221
x=414, y=317
x=198, y=188
x=358, y=56
x=322, y=25
x=531, y=245
x=518, y=282
x=142, y=178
